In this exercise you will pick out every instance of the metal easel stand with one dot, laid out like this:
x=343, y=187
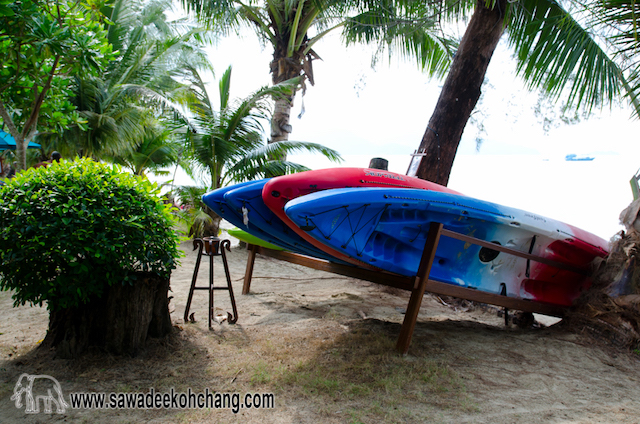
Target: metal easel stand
x=213, y=246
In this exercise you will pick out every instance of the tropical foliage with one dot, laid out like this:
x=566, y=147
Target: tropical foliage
x=123, y=106
x=228, y=143
x=616, y=23
x=158, y=150
x=42, y=45
x=557, y=50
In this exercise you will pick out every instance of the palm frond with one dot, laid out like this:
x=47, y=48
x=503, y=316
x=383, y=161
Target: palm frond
x=266, y=168
x=409, y=28
x=224, y=87
x=259, y=162
x=618, y=20
x=156, y=151
x=143, y=84
x=555, y=52
x=288, y=147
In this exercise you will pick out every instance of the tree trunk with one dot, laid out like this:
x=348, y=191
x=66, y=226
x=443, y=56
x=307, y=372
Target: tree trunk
x=460, y=92
x=21, y=145
x=21, y=152
x=283, y=68
x=118, y=322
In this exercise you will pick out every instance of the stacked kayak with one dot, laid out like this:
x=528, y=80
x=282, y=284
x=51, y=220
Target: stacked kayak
x=379, y=220
x=247, y=201
x=215, y=200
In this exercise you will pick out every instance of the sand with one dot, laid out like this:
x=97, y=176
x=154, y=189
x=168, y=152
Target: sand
x=297, y=321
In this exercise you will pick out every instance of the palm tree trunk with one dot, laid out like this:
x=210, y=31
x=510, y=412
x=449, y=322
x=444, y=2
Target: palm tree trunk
x=283, y=68
x=21, y=152
x=460, y=92
x=280, y=127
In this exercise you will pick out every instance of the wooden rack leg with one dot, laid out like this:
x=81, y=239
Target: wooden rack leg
x=410, y=317
x=249, y=271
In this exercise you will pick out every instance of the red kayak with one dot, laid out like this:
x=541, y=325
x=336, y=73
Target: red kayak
x=278, y=191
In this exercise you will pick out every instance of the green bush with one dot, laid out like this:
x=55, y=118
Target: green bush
x=71, y=229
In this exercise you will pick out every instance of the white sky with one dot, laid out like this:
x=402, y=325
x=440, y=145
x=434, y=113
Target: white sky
x=386, y=110
x=364, y=113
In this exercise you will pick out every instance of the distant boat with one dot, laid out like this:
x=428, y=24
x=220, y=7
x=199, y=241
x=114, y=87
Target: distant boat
x=574, y=157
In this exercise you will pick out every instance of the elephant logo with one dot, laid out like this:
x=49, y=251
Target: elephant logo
x=38, y=388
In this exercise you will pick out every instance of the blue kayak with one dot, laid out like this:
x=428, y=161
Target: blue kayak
x=387, y=228
x=246, y=201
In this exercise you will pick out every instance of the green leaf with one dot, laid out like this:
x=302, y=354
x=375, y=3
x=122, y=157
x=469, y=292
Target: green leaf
x=6, y=11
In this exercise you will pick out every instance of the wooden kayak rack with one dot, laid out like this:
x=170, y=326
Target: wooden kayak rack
x=421, y=283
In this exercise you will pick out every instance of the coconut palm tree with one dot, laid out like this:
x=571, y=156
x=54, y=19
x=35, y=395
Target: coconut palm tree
x=293, y=28
x=228, y=144
x=554, y=52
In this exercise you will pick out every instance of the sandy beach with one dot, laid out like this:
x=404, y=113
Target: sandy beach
x=323, y=345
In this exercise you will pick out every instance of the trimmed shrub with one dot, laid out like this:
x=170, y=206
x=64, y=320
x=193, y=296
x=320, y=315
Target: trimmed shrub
x=72, y=229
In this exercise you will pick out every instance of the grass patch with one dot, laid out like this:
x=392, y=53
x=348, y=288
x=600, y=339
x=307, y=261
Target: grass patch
x=265, y=373
x=363, y=376
x=352, y=376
